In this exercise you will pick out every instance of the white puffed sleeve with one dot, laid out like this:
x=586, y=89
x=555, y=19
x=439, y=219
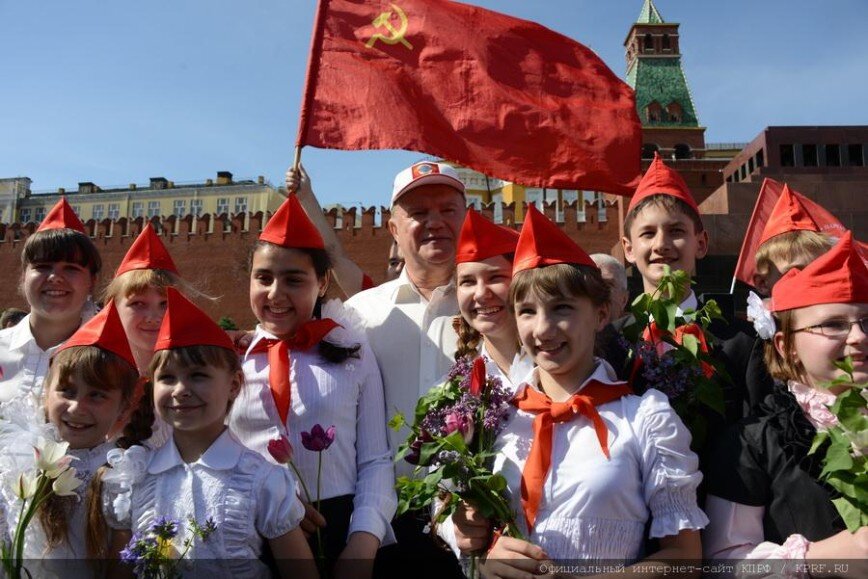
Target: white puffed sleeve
x=128, y=468
x=670, y=470
x=278, y=508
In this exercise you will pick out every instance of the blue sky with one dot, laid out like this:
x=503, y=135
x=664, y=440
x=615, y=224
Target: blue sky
x=116, y=91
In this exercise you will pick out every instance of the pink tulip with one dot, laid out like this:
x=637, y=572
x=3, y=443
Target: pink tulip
x=462, y=423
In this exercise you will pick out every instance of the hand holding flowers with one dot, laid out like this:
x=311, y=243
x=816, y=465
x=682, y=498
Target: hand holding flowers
x=451, y=443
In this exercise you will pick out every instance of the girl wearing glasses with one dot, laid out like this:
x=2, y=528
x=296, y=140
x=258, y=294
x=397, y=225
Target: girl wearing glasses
x=765, y=500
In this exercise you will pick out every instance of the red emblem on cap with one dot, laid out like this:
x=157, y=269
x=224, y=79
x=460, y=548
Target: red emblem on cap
x=423, y=169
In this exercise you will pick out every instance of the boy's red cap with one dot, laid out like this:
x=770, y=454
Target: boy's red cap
x=661, y=180
x=542, y=243
x=788, y=214
x=186, y=325
x=61, y=216
x=147, y=252
x=290, y=227
x=105, y=331
x=839, y=276
x=480, y=239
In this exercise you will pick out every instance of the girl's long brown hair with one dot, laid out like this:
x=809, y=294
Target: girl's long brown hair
x=105, y=370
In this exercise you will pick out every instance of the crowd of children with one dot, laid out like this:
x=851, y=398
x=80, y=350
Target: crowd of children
x=172, y=425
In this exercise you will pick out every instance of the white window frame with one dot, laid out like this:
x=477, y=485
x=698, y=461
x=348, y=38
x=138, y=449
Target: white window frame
x=179, y=207
x=97, y=212
x=241, y=205
x=196, y=207
x=222, y=205
x=25, y=213
x=153, y=209
x=138, y=210
x=114, y=211
x=38, y=214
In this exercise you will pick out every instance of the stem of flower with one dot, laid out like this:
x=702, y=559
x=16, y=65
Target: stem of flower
x=300, y=480
x=320, y=546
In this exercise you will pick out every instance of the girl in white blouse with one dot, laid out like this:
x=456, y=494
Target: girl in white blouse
x=483, y=271
x=60, y=264
x=308, y=365
x=587, y=463
x=204, y=472
x=89, y=391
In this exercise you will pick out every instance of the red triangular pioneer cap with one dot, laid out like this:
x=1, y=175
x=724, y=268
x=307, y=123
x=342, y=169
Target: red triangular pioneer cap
x=542, y=243
x=662, y=180
x=480, y=239
x=839, y=276
x=105, y=331
x=788, y=214
x=186, y=325
x=62, y=216
x=147, y=252
x=291, y=227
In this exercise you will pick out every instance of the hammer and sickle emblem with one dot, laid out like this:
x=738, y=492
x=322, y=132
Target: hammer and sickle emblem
x=395, y=35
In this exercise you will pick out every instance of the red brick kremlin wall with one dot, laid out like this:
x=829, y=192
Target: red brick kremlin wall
x=213, y=256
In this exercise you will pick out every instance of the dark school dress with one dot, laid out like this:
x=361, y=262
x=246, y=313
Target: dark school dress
x=764, y=462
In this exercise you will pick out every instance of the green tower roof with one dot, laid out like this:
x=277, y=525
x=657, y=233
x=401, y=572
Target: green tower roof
x=649, y=14
x=662, y=80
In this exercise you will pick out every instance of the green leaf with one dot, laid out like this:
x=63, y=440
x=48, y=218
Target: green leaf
x=434, y=477
x=851, y=514
x=397, y=422
x=428, y=451
x=690, y=342
x=497, y=483
x=819, y=439
x=846, y=365
x=837, y=457
x=710, y=393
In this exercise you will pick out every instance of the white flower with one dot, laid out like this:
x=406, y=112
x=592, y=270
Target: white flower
x=763, y=322
x=51, y=457
x=66, y=483
x=26, y=486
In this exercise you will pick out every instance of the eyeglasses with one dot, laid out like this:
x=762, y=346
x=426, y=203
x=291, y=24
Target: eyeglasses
x=836, y=328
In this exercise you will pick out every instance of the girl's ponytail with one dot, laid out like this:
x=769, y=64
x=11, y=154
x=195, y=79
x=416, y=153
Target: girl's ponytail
x=468, y=339
x=137, y=431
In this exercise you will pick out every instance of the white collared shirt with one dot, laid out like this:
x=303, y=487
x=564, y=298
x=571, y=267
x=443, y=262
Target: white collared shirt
x=23, y=364
x=348, y=396
x=597, y=508
x=397, y=320
x=249, y=499
x=519, y=371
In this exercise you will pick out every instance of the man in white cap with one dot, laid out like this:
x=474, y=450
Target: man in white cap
x=428, y=209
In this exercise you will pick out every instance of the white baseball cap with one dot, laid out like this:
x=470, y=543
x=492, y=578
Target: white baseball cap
x=425, y=173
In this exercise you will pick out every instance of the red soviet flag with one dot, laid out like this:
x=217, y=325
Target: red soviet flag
x=504, y=96
x=769, y=193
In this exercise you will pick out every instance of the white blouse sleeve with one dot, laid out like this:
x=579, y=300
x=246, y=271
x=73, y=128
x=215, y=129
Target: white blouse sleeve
x=670, y=470
x=278, y=508
x=375, y=499
x=735, y=531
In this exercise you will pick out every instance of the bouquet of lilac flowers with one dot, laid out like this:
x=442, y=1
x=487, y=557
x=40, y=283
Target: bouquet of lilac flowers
x=668, y=349
x=154, y=554
x=451, y=443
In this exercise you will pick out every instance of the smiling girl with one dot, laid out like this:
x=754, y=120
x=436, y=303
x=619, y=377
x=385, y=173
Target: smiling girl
x=60, y=265
x=588, y=465
x=204, y=472
x=305, y=368
x=485, y=327
x=89, y=391
x=765, y=500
